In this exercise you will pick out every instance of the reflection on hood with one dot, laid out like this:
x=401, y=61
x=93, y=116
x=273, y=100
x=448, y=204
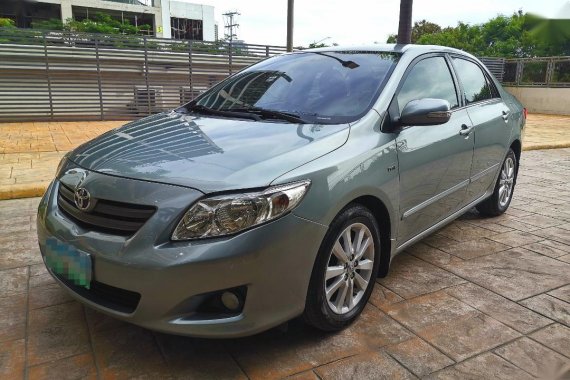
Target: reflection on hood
x=155, y=138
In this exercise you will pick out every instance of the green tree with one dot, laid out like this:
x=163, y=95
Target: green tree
x=419, y=29
x=424, y=27
x=98, y=23
x=463, y=36
x=53, y=24
x=518, y=35
x=7, y=23
x=552, y=35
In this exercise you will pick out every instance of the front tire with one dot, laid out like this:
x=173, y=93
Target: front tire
x=345, y=270
x=501, y=198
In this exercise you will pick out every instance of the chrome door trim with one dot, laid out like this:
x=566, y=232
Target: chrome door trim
x=441, y=223
x=434, y=199
x=449, y=191
x=484, y=173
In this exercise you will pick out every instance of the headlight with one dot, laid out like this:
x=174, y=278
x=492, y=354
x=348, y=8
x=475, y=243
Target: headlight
x=229, y=214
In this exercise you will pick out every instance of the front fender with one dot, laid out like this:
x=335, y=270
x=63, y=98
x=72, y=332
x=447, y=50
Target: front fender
x=365, y=166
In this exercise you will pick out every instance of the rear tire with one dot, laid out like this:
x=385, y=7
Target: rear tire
x=345, y=270
x=501, y=198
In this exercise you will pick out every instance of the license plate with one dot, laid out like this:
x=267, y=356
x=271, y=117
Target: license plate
x=68, y=262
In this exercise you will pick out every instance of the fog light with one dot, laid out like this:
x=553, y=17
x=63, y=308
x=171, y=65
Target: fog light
x=231, y=301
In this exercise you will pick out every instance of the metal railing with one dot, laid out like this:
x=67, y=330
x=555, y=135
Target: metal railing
x=496, y=66
x=535, y=72
x=79, y=76
x=74, y=76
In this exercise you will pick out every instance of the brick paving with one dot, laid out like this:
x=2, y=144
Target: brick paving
x=30, y=152
x=481, y=298
x=547, y=131
x=50, y=136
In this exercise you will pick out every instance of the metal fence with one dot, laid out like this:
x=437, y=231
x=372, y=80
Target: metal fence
x=74, y=76
x=496, y=66
x=71, y=76
x=536, y=72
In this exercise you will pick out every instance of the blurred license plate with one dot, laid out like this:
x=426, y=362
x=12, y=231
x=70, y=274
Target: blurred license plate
x=68, y=262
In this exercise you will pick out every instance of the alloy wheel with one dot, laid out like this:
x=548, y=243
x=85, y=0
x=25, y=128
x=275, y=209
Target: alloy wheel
x=349, y=269
x=506, y=181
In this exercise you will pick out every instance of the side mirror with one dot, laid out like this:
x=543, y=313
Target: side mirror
x=426, y=112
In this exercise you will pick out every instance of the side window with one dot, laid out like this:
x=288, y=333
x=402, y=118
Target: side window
x=473, y=80
x=429, y=78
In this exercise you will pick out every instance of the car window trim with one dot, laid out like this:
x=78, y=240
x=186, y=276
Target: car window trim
x=493, y=86
x=488, y=80
x=395, y=106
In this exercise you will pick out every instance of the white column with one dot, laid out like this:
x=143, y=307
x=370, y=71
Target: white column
x=66, y=11
x=162, y=20
x=208, y=23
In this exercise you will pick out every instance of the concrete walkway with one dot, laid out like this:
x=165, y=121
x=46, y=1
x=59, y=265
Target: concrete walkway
x=30, y=152
x=480, y=299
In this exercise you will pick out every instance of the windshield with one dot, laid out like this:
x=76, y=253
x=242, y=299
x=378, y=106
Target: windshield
x=317, y=87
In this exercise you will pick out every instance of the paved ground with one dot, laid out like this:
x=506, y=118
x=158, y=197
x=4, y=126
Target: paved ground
x=30, y=152
x=547, y=132
x=483, y=298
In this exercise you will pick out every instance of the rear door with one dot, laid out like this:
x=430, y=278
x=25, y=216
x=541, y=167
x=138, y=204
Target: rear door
x=490, y=117
x=434, y=161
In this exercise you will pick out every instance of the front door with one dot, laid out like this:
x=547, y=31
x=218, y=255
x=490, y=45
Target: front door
x=434, y=161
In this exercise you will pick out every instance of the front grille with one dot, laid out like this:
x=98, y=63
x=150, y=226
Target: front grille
x=107, y=216
x=117, y=299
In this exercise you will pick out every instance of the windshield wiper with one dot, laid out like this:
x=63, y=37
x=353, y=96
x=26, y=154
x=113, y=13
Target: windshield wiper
x=225, y=113
x=267, y=113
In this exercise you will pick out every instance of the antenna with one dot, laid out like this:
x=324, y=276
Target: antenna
x=231, y=25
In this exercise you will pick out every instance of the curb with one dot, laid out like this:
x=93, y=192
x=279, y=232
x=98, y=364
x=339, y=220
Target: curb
x=23, y=191
x=546, y=146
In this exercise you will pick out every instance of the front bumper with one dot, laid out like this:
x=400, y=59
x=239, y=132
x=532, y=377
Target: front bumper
x=274, y=261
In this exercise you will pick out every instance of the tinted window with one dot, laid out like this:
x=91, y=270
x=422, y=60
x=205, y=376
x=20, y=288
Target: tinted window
x=321, y=87
x=429, y=78
x=473, y=80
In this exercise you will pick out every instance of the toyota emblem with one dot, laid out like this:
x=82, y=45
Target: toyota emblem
x=82, y=199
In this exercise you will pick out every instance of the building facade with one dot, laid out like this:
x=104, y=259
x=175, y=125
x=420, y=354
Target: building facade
x=167, y=18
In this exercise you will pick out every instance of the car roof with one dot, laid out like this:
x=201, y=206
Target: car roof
x=395, y=48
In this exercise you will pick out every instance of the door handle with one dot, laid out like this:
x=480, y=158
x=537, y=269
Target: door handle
x=466, y=130
x=506, y=115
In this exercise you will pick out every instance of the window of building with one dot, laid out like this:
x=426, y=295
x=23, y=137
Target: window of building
x=186, y=29
x=25, y=13
x=144, y=21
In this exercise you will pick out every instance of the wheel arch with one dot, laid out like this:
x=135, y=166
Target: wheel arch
x=382, y=216
x=516, y=146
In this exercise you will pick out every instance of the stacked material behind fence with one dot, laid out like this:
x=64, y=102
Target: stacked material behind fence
x=70, y=76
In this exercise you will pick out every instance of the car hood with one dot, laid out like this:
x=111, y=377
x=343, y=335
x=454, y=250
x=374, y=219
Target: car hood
x=205, y=153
